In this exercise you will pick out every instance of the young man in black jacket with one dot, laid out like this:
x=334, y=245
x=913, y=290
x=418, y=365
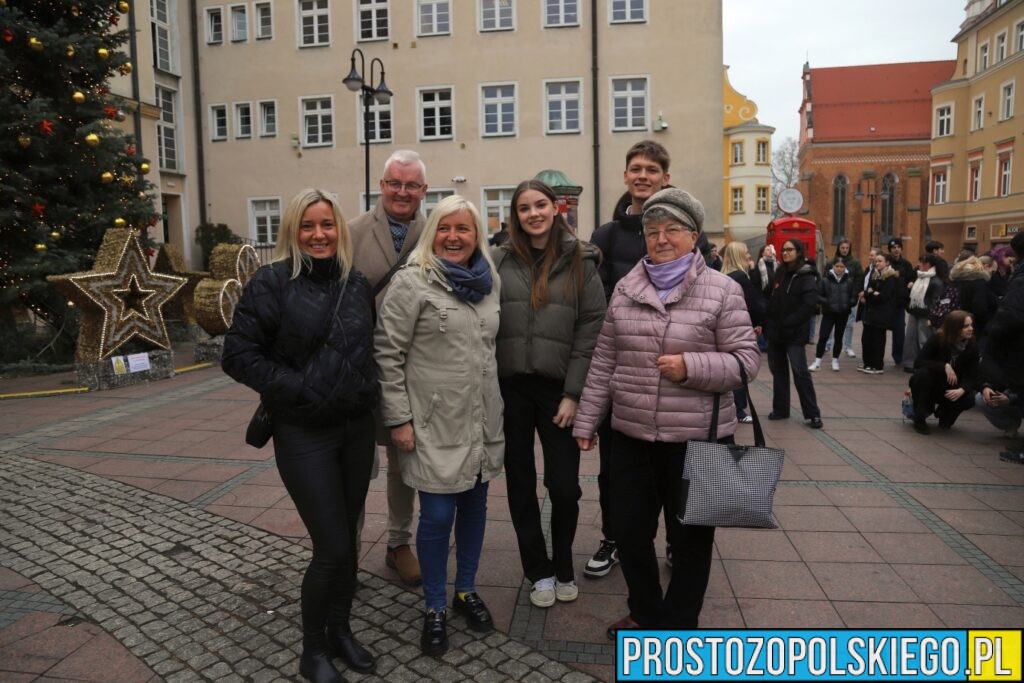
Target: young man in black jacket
x=905, y=270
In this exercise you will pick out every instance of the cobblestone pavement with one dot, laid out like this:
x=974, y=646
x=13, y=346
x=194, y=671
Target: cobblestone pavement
x=135, y=527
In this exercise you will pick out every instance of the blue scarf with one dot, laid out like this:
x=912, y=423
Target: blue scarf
x=470, y=284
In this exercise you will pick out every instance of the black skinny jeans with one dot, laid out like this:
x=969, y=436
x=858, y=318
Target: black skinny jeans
x=830, y=322
x=531, y=402
x=927, y=389
x=872, y=341
x=326, y=470
x=647, y=477
x=782, y=357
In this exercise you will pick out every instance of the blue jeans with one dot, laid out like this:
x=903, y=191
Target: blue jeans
x=848, y=335
x=437, y=514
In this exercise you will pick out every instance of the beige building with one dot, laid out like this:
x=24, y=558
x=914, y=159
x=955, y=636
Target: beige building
x=747, y=164
x=250, y=96
x=976, y=195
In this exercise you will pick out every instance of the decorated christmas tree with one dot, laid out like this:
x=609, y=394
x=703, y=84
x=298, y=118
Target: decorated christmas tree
x=68, y=172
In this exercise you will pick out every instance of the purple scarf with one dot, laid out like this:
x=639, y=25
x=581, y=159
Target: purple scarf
x=666, y=276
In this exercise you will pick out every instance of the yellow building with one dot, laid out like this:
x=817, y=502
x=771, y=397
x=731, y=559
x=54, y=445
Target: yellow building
x=746, y=166
x=976, y=197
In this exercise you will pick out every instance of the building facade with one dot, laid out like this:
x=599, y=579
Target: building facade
x=489, y=92
x=746, y=164
x=976, y=199
x=865, y=138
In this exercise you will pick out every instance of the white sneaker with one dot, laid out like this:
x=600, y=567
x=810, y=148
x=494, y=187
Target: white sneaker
x=543, y=592
x=566, y=592
x=815, y=366
x=850, y=353
x=835, y=364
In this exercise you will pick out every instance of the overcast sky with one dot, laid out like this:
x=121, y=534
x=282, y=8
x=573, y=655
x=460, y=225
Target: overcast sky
x=768, y=41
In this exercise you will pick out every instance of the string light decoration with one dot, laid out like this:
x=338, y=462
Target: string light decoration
x=231, y=268
x=61, y=148
x=120, y=298
x=182, y=307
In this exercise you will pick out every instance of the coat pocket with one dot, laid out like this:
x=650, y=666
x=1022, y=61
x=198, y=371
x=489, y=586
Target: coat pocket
x=447, y=416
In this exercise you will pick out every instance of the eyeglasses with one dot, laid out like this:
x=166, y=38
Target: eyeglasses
x=785, y=249
x=397, y=186
x=669, y=232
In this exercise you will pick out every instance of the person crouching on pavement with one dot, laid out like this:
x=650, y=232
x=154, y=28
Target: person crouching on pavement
x=302, y=336
x=552, y=305
x=435, y=344
x=674, y=335
x=945, y=373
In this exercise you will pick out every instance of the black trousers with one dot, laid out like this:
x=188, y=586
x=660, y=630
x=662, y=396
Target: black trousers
x=782, y=357
x=646, y=477
x=927, y=389
x=531, y=402
x=830, y=322
x=872, y=340
x=327, y=472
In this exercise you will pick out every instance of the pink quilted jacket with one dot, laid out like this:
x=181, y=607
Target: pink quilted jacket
x=705, y=318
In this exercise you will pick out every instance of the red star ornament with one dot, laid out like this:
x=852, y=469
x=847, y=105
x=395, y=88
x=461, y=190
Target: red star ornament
x=8, y=35
x=38, y=209
x=114, y=19
x=109, y=111
x=46, y=127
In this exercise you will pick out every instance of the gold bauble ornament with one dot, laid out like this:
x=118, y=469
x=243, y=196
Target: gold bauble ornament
x=92, y=139
x=55, y=235
x=144, y=167
x=119, y=222
x=70, y=51
x=78, y=97
x=107, y=177
x=35, y=44
x=123, y=7
x=40, y=246
x=25, y=141
x=103, y=53
x=125, y=68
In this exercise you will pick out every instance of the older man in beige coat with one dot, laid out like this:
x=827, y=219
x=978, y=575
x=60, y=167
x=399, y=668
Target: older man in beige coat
x=380, y=239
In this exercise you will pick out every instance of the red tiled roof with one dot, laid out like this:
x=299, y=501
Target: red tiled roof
x=875, y=102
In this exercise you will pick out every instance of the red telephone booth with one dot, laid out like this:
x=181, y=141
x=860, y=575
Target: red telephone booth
x=790, y=227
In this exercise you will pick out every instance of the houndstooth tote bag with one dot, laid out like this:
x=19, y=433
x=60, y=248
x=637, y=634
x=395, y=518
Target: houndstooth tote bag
x=729, y=485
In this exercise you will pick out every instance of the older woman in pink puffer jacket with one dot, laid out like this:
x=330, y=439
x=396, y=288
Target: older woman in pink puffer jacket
x=674, y=335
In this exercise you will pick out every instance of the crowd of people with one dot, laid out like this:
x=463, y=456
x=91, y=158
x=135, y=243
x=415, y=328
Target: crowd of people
x=415, y=334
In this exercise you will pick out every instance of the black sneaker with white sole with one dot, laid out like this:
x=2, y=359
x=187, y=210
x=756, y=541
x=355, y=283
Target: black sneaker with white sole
x=606, y=557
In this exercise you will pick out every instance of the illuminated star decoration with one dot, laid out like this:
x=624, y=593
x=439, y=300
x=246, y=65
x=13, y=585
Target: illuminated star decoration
x=170, y=261
x=120, y=299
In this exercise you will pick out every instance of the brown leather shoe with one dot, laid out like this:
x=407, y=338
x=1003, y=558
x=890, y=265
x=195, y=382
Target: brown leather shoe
x=405, y=563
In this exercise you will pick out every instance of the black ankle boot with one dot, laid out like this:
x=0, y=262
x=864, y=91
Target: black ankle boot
x=434, y=641
x=315, y=665
x=341, y=643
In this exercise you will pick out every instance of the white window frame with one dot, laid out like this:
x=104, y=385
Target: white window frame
x=319, y=16
x=500, y=101
x=1004, y=174
x=1001, y=46
x=939, y=185
x=164, y=29
x=629, y=19
x=561, y=9
x=647, y=104
x=1019, y=31
x=374, y=7
x=434, y=4
x=165, y=129
x=255, y=216
x=232, y=9
x=734, y=158
x=978, y=113
x=939, y=119
x=376, y=109
x=974, y=180
x=265, y=130
x=983, y=56
x=762, y=197
x=497, y=15
x=215, y=136
x=211, y=37
x=762, y=145
x=736, y=200
x=433, y=196
x=257, y=24
x=239, y=109
x=421, y=108
x=1006, y=103
x=503, y=205
x=547, y=98
x=304, y=134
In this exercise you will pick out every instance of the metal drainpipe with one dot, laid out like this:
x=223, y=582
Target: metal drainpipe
x=198, y=105
x=594, y=118
x=133, y=53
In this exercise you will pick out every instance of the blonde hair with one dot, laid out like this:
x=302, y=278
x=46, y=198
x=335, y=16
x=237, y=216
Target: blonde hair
x=424, y=254
x=288, y=234
x=734, y=257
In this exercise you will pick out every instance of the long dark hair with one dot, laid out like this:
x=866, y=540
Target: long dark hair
x=540, y=271
x=787, y=268
x=939, y=264
x=839, y=255
x=952, y=325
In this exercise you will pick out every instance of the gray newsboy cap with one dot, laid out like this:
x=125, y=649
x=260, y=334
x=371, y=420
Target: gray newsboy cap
x=679, y=203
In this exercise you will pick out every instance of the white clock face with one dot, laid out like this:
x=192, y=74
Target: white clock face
x=790, y=200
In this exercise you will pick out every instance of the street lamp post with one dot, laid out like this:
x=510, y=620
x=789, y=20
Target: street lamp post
x=356, y=82
x=871, y=194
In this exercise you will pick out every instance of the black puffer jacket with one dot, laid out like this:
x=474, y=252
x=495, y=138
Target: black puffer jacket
x=756, y=302
x=837, y=297
x=907, y=275
x=934, y=356
x=976, y=297
x=792, y=305
x=880, y=303
x=278, y=324
x=1003, y=357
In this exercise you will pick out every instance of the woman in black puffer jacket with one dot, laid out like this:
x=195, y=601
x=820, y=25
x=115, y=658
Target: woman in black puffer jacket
x=879, y=307
x=793, y=302
x=302, y=336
